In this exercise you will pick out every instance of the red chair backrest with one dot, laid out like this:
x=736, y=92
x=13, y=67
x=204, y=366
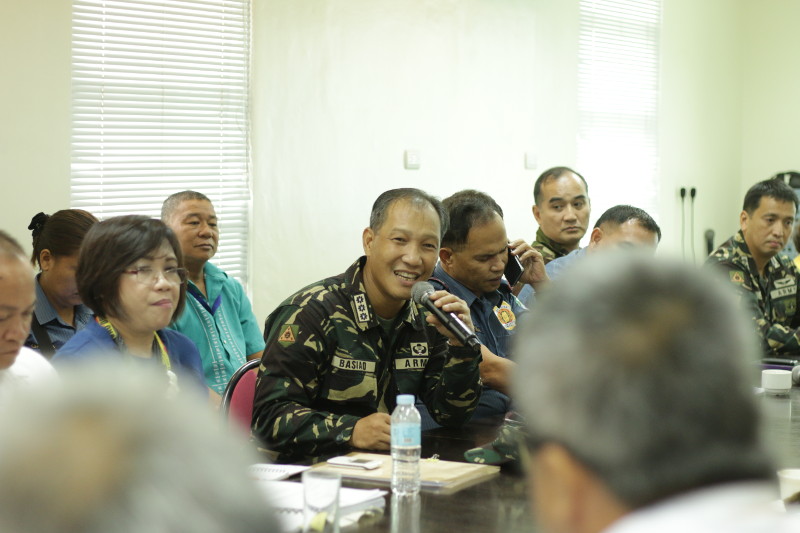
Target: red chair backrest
x=242, y=399
x=238, y=397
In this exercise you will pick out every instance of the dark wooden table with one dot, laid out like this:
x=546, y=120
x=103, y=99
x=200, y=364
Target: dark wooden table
x=497, y=505
x=501, y=504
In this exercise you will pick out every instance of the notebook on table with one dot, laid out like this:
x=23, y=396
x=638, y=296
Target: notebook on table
x=441, y=477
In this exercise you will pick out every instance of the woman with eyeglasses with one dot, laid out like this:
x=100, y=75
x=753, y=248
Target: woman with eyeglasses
x=130, y=274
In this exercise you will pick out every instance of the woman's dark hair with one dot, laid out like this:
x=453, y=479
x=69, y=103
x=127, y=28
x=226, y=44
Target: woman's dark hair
x=109, y=248
x=61, y=233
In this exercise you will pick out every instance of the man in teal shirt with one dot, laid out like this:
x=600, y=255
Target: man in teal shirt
x=218, y=315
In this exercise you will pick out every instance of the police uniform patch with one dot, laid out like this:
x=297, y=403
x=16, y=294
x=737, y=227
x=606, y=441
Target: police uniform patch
x=737, y=276
x=419, y=349
x=506, y=316
x=360, y=306
x=288, y=335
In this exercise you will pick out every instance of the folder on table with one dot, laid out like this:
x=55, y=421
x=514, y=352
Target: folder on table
x=442, y=477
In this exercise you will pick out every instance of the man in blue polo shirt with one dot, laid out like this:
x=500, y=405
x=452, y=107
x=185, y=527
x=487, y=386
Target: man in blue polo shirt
x=218, y=315
x=472, y=260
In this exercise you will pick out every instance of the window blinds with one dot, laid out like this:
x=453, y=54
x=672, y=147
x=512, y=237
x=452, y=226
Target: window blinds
x=160, y=105
x=618, y=85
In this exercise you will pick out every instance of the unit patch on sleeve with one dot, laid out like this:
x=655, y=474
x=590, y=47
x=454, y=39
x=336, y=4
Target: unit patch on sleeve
x=737, y=276
x=506, y=316
x=288, y=335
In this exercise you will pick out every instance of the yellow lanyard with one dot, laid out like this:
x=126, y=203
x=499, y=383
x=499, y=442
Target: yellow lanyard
x=119, y=342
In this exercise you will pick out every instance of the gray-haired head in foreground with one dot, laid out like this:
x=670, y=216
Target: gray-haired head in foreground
x=106, y=452
x=643, y=371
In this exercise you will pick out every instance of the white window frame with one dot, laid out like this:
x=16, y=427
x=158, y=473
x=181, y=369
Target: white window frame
x=618, y=90
x=159, y=105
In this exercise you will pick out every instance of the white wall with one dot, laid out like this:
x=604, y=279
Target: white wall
x=341, y=88
x=700, y=119
x=770, y=98
x=34, y=111
x=341, y=91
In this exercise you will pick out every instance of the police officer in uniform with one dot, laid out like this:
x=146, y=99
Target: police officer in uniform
x=340, y=350
x=472, y=260
x=752, y=261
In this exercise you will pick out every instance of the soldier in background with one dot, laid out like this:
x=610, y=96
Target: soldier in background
x=340, y=350
x=619, y=227
x=562, y=210
x=766, y=278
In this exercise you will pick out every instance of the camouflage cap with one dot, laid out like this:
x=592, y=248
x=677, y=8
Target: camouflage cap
x=506, y=447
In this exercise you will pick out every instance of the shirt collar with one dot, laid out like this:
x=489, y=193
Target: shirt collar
x=558, y=249
x=44, y=310
x=459, y=289
x=744, y=251
x=357, y=293
x=46, y=313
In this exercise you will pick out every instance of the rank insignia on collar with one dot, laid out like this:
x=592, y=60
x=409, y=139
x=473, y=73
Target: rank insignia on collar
x=288, y=335
x=737, y=276
x=361, y=307
x=506, y=316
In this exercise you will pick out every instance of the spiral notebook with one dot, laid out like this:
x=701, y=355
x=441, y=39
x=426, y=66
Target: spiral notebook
x=272, y=472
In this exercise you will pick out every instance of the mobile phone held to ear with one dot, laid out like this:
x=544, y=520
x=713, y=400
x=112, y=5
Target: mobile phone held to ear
x=513, y=269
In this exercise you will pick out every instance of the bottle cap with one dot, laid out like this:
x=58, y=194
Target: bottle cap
x=405, y=399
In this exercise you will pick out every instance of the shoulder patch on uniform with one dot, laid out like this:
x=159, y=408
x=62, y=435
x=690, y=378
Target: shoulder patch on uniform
x=288, y=335
x=737, y=276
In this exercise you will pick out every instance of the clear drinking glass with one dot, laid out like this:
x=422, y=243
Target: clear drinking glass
x=321, y=501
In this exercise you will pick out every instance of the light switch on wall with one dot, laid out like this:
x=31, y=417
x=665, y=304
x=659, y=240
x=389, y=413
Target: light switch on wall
x=530, y=160
x=411, y=159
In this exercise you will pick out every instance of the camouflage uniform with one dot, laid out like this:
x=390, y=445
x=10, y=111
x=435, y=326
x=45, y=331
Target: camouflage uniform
x=547, y=247
x=771, y=300
x=329, y=362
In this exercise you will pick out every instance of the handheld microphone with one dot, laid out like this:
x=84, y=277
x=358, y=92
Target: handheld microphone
x=421, y=292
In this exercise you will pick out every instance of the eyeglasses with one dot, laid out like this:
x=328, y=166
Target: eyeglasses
x=148, y=276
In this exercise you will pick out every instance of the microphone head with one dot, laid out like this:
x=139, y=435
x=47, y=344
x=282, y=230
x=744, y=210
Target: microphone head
x=796, y=375
x=419, y=290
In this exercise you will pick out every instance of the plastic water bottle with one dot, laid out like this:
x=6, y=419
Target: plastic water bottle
x=406, y=437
